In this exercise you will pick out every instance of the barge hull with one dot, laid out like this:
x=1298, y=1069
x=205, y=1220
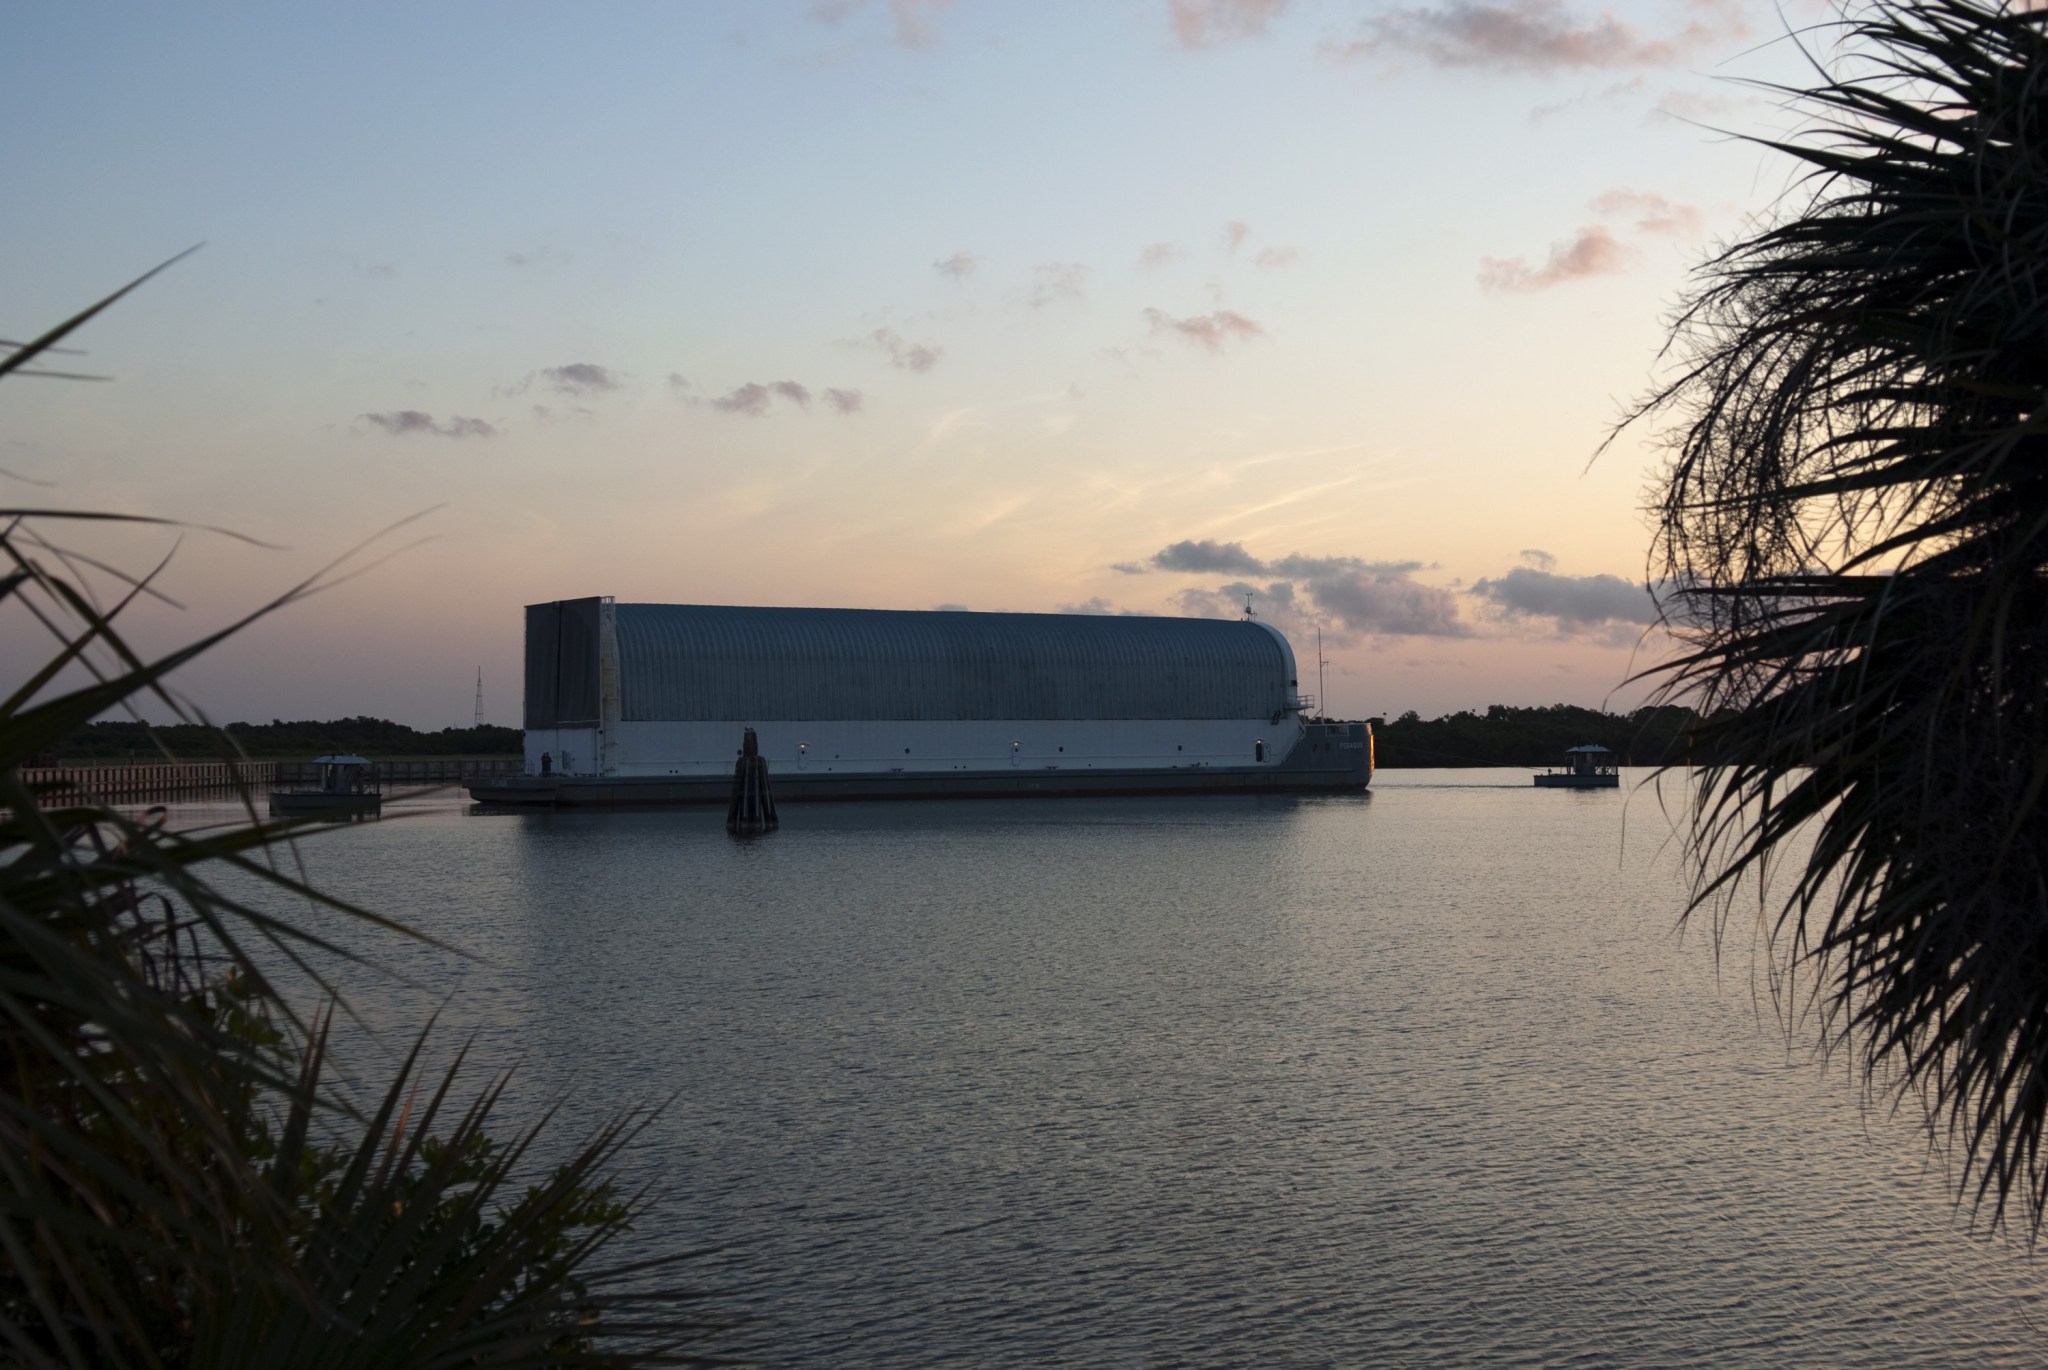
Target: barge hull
x=797, y=787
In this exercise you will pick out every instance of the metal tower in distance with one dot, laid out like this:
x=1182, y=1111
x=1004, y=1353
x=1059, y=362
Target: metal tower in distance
x=479, y=698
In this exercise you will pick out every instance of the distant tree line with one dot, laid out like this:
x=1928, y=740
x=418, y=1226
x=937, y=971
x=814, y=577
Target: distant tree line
x=1501, y=736
x=1504, y=736
x=376, y=738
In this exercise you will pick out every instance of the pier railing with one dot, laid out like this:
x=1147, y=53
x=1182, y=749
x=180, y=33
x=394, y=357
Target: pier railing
x=160, y=782
x=403, y=774
x=156, y=782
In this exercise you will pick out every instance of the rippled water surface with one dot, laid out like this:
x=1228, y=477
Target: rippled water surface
x=1422, y=1077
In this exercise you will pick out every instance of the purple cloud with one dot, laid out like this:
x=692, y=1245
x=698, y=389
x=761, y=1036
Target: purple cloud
x=1205, y=556
x=1533, y=36
x=581, y=378
x=401, y=422
x=750, y=399
x=909, y=356
x=756, y=398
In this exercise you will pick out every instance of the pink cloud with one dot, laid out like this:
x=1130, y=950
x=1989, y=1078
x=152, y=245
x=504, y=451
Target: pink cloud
x=959, y=266
x=1160, y=254
x=1534, y=36
x=1235, y=232
x=846, y=401
x=1206, y=331
x=1593, y=252
x=1277, y=256
x=1656, y=214
x=1200, y=23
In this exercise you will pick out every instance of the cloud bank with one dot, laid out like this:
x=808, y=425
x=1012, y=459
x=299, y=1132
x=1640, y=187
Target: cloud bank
x=1573, y=602
x=1350, y=596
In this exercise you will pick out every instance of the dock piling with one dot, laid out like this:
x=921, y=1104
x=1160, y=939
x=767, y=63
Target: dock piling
x=753, y=808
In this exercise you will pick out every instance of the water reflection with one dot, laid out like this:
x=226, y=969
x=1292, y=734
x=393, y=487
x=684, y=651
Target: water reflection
x=1412, y=1078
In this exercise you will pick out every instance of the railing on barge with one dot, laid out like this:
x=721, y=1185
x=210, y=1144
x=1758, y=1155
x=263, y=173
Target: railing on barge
x=161, y=782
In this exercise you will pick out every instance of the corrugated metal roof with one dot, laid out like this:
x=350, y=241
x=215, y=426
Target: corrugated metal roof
x=691, y=662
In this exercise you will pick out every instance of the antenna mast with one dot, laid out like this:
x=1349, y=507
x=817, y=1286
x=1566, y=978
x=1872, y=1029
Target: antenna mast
x=1248, y=614
x=480, y=694
x=1322, y=699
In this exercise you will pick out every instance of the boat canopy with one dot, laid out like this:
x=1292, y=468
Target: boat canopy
x=341, y=761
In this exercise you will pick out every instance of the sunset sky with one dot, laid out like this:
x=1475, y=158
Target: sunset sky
x=1113, y=305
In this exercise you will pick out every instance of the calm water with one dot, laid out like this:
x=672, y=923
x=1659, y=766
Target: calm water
x=1424, y=1077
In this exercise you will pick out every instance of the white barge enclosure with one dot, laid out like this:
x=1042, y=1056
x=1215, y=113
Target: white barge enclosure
x=648, y=703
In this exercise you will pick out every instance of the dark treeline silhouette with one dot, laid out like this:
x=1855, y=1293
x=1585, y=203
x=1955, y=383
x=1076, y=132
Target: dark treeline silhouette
x=1504, y=736
x=376, y=738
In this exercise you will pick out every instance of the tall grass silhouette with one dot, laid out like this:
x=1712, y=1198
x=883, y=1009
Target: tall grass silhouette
x=180, y=1182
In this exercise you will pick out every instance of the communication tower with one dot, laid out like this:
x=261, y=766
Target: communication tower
x=479, y=698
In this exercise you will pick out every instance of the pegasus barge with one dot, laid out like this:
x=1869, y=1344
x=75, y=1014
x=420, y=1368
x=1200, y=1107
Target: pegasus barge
x=634, y=704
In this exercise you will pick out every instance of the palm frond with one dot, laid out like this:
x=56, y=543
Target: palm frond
x=1854, y=518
